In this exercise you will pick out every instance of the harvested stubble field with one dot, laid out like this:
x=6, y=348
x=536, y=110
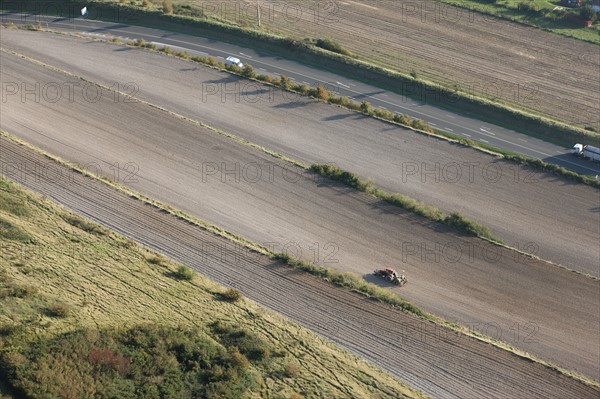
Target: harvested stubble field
x=524, y=67
x=103, y=280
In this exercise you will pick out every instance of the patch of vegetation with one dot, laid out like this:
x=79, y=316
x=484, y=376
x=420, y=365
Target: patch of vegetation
x=246, y=342
x=464, y=224
x=59, y=309
x=231, y=295
x=147, y=361
x=184, y=273
x=352, y=282
x=156, y=260
x=85, y=225
x=455, y=220
x=9, y=204
x=11, y=232
x=541, y=13
x=332, y=45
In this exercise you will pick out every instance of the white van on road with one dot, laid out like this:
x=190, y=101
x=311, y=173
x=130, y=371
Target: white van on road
x=233, y=61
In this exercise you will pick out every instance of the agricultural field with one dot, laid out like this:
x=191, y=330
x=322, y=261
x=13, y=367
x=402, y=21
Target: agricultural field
x=69, y=287
x=529, y=69
x=176, y=225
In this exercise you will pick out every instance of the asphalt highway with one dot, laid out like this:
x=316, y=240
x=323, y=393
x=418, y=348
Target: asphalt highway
x=271, y=64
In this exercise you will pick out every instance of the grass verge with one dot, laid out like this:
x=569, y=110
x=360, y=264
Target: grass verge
x=310, y=53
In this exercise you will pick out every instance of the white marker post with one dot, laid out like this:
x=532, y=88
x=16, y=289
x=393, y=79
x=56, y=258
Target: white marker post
x=84, y=12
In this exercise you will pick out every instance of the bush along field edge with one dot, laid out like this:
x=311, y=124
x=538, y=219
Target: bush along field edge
x=344, y=280
x=322, y=56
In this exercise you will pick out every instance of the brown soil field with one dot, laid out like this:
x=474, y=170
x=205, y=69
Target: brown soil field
x=494, y=290
x=525, y=67
x=536, y=212
x=441, y=363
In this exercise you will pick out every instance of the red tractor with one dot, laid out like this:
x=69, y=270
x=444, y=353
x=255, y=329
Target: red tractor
x=392, y=276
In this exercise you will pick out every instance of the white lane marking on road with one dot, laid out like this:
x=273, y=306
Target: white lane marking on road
x=525, y=141
x=464, y=134
x=485, y=141
x=448, y=129
x=343, y=85
x=450, y=116
x=75, y=26
x=247, y=56
x=432, y=124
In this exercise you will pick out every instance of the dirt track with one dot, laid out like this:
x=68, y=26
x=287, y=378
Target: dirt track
x=556, y=312
x=438, y=362
x=550, y=217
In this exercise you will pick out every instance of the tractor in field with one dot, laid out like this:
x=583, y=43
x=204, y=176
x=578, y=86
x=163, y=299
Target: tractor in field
x=391, y=275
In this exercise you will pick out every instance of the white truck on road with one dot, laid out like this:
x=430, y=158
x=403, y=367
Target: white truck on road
x=586, y=151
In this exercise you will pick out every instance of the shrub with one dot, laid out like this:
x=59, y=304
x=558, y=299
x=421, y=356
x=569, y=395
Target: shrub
x=182, y=54
x=248, y=71
x=156, y=260
x=301, y=88
x=291, y=369
x=420, y=124
x=139, y=42
x=383, y=114
x=264, y=78
x=343, y=101
x=234, y=68
x=248, y=343
x=18, y=291
x=116, y=40
x=146, y=3
x=403, y=119
x=462, y=223
x=331, y=45
x=354, y=106
x=238, y=360
x=285, y=82
x=587, y=14
x=365, y=107
x=414, y=74
x=184, y=273
x=322, y=93
x=335, y=173
x=167, y=7
x=166, y=49
x=88, y=227
x=59, y=309
x=109, y=360
x=231, y=295
x=10, y=232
